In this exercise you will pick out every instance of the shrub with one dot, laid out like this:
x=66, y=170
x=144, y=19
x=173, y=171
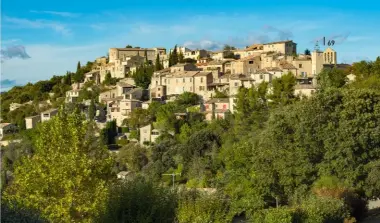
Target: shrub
x=278, y=215
x=194, y=207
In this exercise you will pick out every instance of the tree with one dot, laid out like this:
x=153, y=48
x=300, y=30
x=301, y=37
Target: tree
x=158, y=65
x=78, y=66
x=283, y=89
x=133, y=157
x=109, y=133
x=143, y=75
x=181, y=58
x=331, y=78
x=107, y=79
x=129, y=46
x=307, y=52
x=146, y=56
x=173, y=57
x=66, y=177
x=92, y=110
x=228, y=48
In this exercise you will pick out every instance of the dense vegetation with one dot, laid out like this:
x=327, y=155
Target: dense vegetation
x=277, y=158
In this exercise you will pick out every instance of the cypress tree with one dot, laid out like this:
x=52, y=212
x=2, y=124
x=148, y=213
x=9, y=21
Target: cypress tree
x=181, y=58
x=91, y=110
x=158, y=63
x=146, y=56
x=78, y=66
x=170, y=59
x=175, y=56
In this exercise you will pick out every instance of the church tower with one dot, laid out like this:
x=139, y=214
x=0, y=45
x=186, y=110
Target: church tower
x=329, y=56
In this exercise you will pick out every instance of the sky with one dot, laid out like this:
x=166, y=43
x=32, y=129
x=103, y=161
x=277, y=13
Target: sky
x=58, y=34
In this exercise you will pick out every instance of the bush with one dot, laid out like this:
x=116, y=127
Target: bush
x=278, y=215
x=198, y=208
x=324, y=209
x=140, y=201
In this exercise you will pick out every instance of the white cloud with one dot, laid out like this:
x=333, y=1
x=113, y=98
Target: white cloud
x=203, y=44
x=38, y=24
x=63, y=14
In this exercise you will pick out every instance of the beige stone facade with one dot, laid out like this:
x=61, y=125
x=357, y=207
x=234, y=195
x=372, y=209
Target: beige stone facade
x=32, y=121
x=216, y=108
x=287, y=47
x=47, y=115
x=148, y=134
x=179, y=79
x=123, y=53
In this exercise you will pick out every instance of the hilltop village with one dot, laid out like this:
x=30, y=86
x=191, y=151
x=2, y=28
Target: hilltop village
x=215, y=76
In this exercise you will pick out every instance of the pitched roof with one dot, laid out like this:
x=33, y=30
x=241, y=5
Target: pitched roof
x=122, y=84
x=2, y=125
x=273, y=69
x=287, y=66
x=284, y=41
x=218, y=100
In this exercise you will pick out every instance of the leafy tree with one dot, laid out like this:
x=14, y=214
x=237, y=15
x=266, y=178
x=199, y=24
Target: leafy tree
x=133, y=157
x=228, y=48
x=65, y=179
x=193, y=207
x=142, y=76
x=307, y=52
x=139, y=117
x=331, y=78
x=283, y=89
x=219, y=94
x=129, y=46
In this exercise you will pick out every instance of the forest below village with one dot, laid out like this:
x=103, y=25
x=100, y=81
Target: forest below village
x=277, y=158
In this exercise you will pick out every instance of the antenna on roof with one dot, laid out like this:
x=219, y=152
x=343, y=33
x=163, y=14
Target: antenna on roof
x=316, y=47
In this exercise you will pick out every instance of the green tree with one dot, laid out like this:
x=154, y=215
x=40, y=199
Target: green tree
x=133, y=157
x=283, y=89
x=307, y=52
x=66, y=177
x=78, y=66
x=109, y=133
x=129, y=46
x=181, y=58
x=158, y=65
x=173, y=59
x=334, y=77
x=140, y=201
x=92, y=110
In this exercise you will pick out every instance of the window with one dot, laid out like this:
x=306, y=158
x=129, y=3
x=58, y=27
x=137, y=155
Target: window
x=224, y=106
x=250, y=62
x=157, y=82
x=165, y=81
x=300, y=65
x=159, y=89
x=191, y=80
x=201, y=88
x=236, y=84
x=183, y=80
x=127, y=104
x=201, y=79
x=46, y=115
x=261, y=76
x=249, y=70
x=158, y=95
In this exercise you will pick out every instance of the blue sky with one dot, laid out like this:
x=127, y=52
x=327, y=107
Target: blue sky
x=57, y=34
